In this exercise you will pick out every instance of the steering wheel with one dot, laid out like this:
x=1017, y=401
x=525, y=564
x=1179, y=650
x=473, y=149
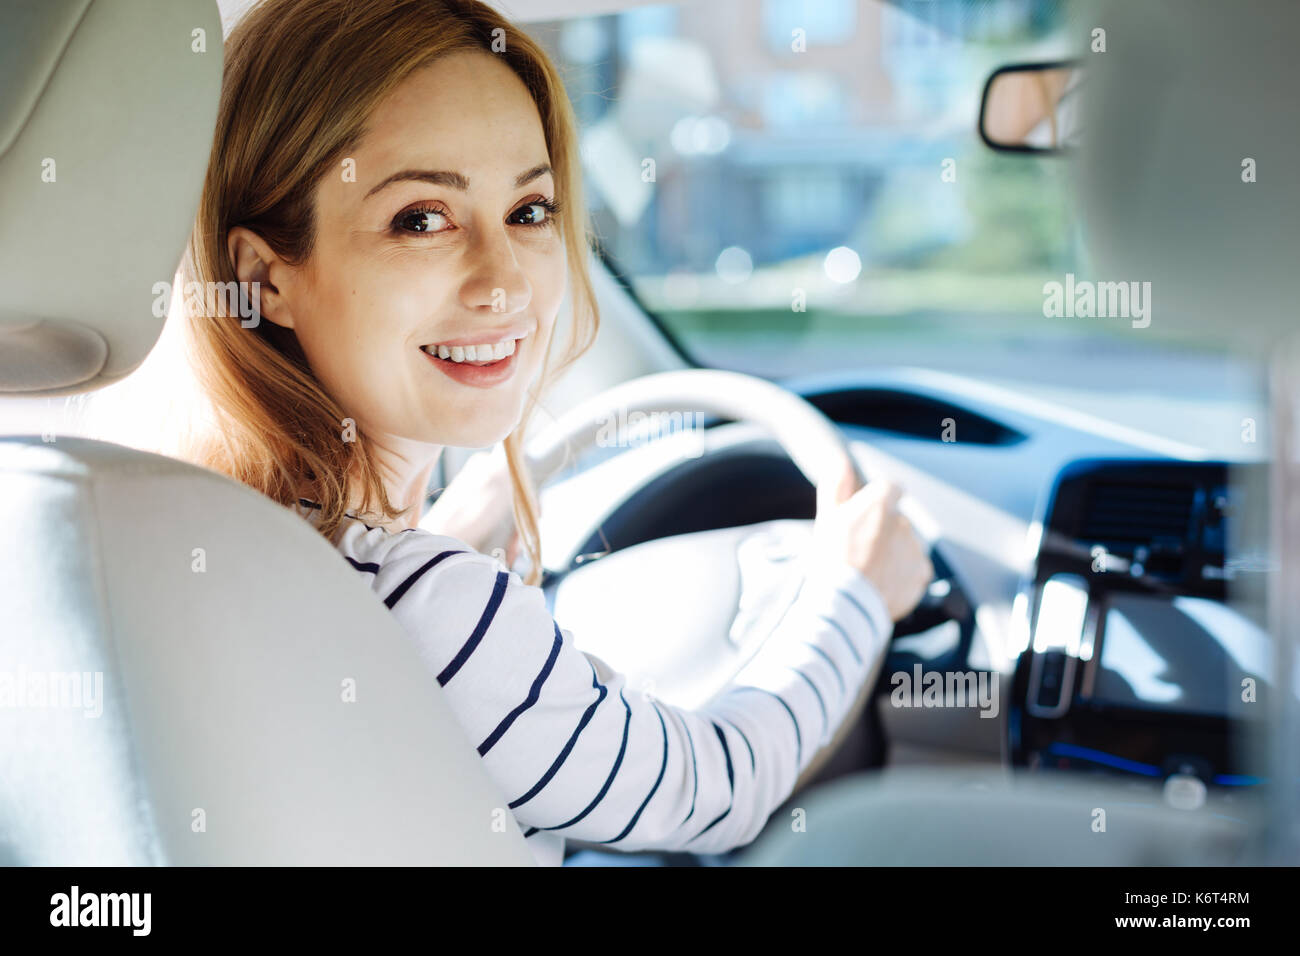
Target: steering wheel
x=681, y=615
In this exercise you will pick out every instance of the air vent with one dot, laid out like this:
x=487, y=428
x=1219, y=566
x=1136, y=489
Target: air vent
x=1137, y=512
x=918, y=416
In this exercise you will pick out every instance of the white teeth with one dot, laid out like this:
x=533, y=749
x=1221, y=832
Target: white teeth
x=474, y=353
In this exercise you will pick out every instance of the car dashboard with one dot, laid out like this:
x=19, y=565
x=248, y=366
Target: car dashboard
x=1086, y=571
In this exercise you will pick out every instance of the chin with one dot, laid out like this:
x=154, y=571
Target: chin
x=491, y=436
x=494, y=427
x=484, y=419
x=479, y=435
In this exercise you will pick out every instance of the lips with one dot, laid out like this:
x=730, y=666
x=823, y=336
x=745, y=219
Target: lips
x=476, y=373
x=481, y=354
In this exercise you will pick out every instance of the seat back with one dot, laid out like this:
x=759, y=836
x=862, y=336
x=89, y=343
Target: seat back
x=189, y=673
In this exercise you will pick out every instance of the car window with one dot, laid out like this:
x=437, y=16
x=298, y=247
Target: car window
x=799, y=187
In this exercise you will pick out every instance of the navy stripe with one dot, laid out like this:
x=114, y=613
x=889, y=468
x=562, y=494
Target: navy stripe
x=731, y=773
x=798, y=738
x=753, y=765
x=718, y=820
x=406, y=585
x=564, y=754
x=826, y=721
x=663, y=768
x=835, y=670
x=370, y=566
x=529, y=832
x=847, y=640
x=316, y=505
x=480, y=629
x=609, y=781
x=534, y=693
x=731, y=780
x=854, y=602
x=695, y=768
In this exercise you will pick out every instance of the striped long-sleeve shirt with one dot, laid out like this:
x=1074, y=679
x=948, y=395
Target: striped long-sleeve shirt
x=575, y=751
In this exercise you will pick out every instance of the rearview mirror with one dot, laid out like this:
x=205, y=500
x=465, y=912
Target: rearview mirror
x=1032, y=107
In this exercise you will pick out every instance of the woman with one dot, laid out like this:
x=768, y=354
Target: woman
x=400, y=180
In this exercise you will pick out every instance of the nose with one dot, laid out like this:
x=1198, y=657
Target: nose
x=495, y=282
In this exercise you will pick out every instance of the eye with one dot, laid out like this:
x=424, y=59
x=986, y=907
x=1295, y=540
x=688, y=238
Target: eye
x=540, y=212
x=421, y=219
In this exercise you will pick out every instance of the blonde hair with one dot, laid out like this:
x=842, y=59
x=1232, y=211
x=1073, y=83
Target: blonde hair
x=301, y=78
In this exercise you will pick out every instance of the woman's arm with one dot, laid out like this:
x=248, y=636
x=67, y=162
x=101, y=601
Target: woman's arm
x=577, y=752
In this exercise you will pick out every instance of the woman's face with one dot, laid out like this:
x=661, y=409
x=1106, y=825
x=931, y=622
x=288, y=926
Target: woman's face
x=444, y=237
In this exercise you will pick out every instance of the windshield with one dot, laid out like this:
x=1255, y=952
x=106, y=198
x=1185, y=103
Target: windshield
x=796, y=188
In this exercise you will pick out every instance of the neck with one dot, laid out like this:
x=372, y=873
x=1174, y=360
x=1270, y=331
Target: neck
x=405, y=468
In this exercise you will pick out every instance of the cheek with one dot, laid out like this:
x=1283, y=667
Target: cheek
x=549, y=281
x=344, y=340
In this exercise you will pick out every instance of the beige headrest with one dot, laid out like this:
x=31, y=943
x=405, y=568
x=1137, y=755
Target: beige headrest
x=1187, y=170
x=107, y=110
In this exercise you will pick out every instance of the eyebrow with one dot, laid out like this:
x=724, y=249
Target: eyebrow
x=453, y=180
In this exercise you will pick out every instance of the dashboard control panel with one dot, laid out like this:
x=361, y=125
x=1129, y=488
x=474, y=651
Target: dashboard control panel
x=1142, y=658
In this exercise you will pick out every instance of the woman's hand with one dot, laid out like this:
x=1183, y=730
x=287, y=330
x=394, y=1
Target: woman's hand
x=864, y=527
x=475, y=507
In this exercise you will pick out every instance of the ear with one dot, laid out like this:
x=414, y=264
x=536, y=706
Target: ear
x=255, y=262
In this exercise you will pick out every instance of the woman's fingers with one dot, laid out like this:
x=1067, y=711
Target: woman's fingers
x=837, y=487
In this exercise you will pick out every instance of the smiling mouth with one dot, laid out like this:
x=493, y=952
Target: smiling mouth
x=485, y=353
x=476, y=365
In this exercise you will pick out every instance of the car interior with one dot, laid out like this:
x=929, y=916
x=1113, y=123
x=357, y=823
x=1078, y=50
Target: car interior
x=1110, y=507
